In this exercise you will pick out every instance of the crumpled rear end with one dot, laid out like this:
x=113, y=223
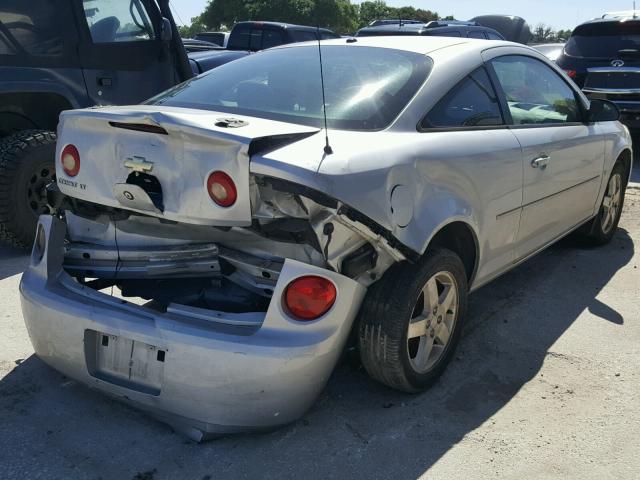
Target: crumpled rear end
x=205, y=375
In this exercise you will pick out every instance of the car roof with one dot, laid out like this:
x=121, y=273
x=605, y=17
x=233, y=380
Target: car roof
x=424, y=29
x=613, y=19
x=417, y=44
x=282, y=25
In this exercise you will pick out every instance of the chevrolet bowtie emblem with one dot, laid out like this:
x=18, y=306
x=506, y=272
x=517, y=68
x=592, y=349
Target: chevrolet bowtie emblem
x=138, y=164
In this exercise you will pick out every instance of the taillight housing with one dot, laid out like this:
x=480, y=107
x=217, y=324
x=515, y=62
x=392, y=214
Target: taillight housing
x=310, y=297
x=70, y=160
x=221, y=189
x=571, y=73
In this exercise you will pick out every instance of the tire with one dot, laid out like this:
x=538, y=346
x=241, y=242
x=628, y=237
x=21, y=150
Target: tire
x=601, y=229
x=389, y=352
x=27, y=164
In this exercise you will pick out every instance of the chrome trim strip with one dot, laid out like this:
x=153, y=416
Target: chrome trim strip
x=613, y=70
x=630, y=91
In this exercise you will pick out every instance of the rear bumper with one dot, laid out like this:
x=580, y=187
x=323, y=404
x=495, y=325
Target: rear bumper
x=215, y=378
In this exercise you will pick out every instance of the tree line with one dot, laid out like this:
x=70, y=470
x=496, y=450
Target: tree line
x=545, y=34
x=341, y=16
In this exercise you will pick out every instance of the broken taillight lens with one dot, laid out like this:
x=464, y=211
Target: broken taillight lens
x=70, y=159
x=310, y=297
x=221, y=189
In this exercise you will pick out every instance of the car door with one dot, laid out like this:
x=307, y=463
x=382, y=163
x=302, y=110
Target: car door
x=466, y=133
x=563, y=155
x=124, y=60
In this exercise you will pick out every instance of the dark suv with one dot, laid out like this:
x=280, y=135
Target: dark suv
x=437, y=28
x=603, y=57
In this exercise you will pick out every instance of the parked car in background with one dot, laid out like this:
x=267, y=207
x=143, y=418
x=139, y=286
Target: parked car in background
x=248, y=37
x=58, y=55
x=393, y=21
x=251, y=240
x=219, y=38
x=512, y=28
x=442, y=28
x=550, y=50
x=193, y=45
x=603, y=57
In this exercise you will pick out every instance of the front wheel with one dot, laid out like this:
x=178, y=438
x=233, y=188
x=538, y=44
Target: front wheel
x=600, y=230
x=27, y=165
x=411, y=320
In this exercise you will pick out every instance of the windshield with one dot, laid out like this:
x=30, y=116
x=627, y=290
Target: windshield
x=365, y=87
x=604, y=40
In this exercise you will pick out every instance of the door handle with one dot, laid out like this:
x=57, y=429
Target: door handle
x=105, y=81
x=540, y=162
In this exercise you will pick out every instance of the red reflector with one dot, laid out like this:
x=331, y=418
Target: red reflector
x=308, y=298
x=70, y=160
x=221, y=189
x=571, y=73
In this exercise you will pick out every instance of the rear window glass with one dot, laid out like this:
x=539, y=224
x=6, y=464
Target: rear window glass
x=303, y=36
x=605, y=40
x=30, y=26
x=471, y=103
x=365, y=87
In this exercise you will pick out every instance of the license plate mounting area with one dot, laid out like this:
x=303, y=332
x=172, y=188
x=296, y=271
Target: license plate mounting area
x=124, y=362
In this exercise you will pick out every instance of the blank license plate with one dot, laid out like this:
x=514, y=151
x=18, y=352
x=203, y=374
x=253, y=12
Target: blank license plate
x=125, y=362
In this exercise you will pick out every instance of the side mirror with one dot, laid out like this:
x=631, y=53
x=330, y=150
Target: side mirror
x=166, y=32
x=603, y=111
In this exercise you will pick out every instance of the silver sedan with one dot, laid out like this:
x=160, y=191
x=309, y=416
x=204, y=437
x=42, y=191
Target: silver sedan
x=213, y=248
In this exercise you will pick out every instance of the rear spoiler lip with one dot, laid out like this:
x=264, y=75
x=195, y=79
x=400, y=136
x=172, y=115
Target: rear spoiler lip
x=267, y=144
x=140, y=127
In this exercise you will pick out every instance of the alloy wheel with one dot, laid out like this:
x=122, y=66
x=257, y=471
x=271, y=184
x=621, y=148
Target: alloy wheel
x=432, y=322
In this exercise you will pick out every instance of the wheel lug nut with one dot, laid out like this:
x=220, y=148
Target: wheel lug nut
x=435, y=310
x=432, y=333
x=440, y=319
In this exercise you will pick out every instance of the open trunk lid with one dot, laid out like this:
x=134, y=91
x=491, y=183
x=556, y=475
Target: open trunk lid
x=156, y=160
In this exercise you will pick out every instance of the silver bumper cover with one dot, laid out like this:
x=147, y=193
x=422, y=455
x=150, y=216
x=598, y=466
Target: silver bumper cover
x=216, y=377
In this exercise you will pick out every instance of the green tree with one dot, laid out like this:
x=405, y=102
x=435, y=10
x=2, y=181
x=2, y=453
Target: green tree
x=341, y=16
x=338, y=15
x=543, y=34
x=190, y=31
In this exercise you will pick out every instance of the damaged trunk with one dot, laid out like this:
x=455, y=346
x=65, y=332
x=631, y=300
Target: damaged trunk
x=144, y=216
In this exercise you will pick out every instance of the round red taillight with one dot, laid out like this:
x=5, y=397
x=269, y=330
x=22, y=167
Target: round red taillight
x=70, y=160
x=308, y=298
x=221, y=189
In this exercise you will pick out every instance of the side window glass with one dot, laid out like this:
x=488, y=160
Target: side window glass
x=493, y=36
x=240, y=38
x=32, y=26
x=303, y=36
x=450, y=33
x=271, y=38
x=475, y=34
x=118, y=21
x=535, y=93
x=471, y=103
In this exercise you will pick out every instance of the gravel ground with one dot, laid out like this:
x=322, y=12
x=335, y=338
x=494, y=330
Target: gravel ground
x=544, y=385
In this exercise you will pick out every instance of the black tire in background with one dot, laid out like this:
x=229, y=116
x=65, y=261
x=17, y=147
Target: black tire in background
x=601, y=229
x=27, y=165
x=393, y=306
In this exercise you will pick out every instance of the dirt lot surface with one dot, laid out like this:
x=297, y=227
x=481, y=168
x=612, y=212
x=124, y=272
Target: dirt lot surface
x=545, y=384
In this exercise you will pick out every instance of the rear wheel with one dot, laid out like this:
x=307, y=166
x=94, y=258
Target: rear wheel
x=411, y=321
x=600, y=230
x=27, y=165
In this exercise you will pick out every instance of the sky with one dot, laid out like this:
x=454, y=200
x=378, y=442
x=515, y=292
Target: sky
x=556, y=13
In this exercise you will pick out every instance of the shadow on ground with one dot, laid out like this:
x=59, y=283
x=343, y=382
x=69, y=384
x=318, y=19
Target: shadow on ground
x=356, y=429
x=12, y=261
